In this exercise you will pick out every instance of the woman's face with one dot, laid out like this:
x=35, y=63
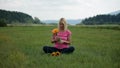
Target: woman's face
x=61, y=25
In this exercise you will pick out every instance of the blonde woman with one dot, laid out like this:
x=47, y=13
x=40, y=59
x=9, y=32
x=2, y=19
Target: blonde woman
x=62, y=40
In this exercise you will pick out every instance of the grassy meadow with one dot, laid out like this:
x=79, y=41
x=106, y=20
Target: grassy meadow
x=21, y=47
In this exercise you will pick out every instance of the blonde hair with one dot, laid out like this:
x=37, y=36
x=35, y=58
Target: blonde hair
x=62, y=20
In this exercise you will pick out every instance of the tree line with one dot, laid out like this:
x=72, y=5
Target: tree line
x=102, y=19
x=11, y=17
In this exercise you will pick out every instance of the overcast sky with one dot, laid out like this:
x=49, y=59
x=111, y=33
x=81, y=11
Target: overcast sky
x=55, y=9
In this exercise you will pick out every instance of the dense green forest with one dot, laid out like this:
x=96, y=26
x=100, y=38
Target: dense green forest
x=12, y=17
x=102, y=19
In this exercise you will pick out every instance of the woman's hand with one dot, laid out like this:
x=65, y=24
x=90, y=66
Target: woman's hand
x=56, y=39
x=59, y=40
x=53, y=41
x=64, y=42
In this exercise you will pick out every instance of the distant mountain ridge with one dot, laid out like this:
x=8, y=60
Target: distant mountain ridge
x=69, y=21
x=115, y=12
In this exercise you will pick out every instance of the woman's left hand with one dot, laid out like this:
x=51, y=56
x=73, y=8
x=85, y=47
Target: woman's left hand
x=64, y=41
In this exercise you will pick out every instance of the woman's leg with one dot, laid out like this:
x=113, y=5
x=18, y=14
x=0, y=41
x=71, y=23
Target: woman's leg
x=68, y=50
x=48, y=49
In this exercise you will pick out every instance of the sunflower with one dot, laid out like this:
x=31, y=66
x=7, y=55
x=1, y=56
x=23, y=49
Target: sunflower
x=55, y=31
x=55, y=53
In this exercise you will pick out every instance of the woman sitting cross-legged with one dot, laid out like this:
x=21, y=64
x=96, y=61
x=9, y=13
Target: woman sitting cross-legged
x=61, y=39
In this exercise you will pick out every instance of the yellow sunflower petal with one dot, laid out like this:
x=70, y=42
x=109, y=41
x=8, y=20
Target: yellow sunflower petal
x=55, y=31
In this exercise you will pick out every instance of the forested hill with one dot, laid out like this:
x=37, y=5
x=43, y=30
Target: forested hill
x=12, y=17
x=102, y=19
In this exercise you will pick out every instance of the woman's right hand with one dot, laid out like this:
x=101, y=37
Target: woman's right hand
x=53, y=41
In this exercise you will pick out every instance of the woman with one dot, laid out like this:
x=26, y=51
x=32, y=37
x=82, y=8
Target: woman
x=62, y=40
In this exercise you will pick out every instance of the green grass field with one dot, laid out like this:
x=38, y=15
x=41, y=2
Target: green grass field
x=21, y=47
